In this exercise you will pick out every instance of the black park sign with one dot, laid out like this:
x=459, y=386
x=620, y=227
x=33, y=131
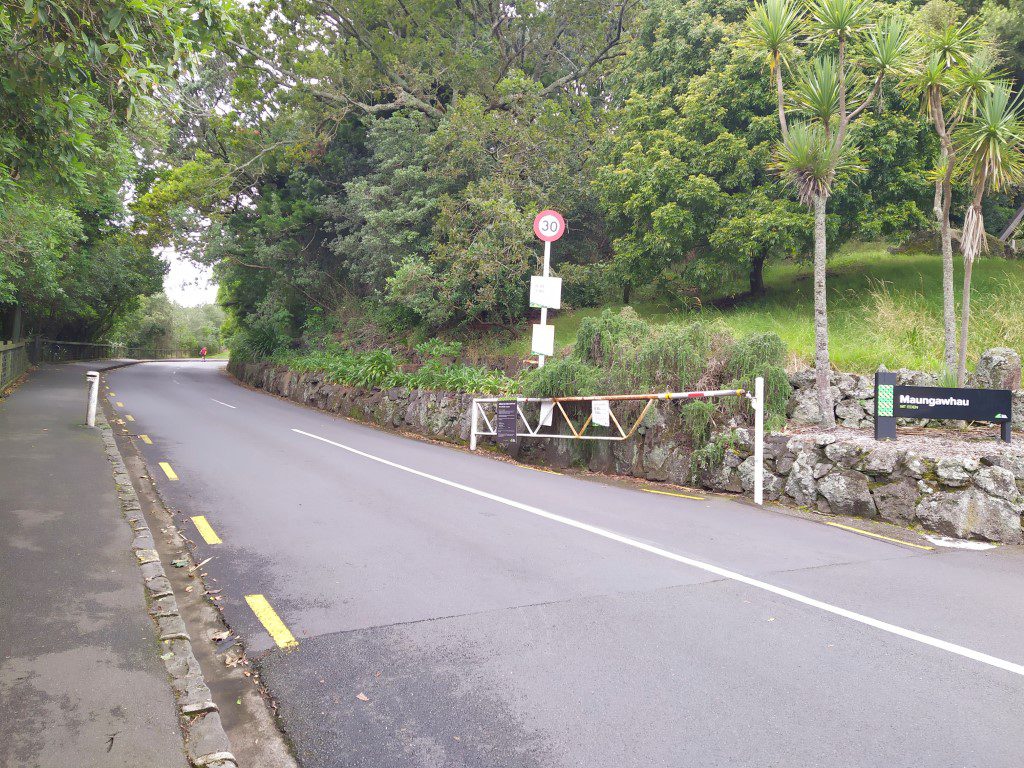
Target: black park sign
x=893, y=401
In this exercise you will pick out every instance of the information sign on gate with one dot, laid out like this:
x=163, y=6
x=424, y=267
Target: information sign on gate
x=507, y=420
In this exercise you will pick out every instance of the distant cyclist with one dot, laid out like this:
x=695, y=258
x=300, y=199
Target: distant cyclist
x=203, y=353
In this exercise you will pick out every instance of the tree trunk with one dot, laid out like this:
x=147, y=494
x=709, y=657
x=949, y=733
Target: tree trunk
x=943, y=200
x=822, y=365
x=757, y=275
x=972, y=240
x=627, y=292
x=942, y=192
x=965, y=320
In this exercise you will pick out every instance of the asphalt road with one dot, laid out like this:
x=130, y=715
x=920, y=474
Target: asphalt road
x=492, y=615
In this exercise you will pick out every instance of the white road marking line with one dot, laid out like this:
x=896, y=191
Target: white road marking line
x=885, y=626
x=222, y=403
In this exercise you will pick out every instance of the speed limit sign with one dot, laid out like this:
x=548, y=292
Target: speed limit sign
x=549, y=226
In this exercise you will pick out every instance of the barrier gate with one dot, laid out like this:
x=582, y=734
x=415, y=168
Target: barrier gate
x=548, y=405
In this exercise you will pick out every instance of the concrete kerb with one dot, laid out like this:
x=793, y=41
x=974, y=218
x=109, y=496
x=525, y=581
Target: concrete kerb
x=206, y=742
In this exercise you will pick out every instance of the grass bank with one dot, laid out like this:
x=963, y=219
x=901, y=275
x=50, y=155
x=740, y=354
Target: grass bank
x=884, y=308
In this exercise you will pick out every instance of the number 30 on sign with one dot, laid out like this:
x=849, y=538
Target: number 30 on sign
x=549, y=226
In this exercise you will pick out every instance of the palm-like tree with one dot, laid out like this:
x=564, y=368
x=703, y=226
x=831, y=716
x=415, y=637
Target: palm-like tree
x=811, y=153
x=953, y=70
x=992, y=147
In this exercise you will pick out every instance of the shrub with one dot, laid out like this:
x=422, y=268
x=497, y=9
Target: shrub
x=698, y=417
x=762, y=354
x=263, y=332
x=583, y=285
x=562, y=377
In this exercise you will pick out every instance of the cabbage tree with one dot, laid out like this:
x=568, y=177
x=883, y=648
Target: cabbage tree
x=829, y=94
x=953, y=71
x=992, y=147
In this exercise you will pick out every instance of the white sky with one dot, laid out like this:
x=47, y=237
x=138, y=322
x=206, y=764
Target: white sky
x=188, y=283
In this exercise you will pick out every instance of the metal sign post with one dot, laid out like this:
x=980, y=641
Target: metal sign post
x=548, y=226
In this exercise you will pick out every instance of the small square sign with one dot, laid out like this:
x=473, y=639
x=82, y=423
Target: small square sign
x=545, y=292
x=543, y=340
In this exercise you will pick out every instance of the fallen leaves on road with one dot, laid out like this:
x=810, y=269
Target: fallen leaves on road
x=362, y=697
x=179, y=563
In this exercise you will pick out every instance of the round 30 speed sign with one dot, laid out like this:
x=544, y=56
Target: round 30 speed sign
x=549, y=226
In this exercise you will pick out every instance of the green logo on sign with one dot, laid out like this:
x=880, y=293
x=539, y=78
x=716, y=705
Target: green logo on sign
x=885, y=400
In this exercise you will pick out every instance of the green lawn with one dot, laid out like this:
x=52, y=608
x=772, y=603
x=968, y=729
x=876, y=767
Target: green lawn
x=883, y=308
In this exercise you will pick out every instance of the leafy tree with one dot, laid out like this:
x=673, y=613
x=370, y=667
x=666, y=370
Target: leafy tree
x=686, y=186
x=385, y=216
x=500, y=167
x=82, y=87
x=70, y=66
x=813, y=152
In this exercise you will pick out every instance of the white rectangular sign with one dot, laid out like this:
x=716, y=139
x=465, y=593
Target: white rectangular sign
x=599, y=412
x=545, y=292
x=543, y=340
x=547, y=407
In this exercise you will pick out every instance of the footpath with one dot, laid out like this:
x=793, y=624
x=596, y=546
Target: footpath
x=81, y=678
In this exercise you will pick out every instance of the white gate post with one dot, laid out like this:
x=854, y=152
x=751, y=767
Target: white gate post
x=759, y=440
x=93, y=377
x=473, y=427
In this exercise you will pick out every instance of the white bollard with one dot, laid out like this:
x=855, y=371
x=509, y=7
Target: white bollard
x=473, y=428
x=93, y=377
x=759, y=440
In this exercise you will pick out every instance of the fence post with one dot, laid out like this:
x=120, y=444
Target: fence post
x=93, y=377
x=759, y=440
x=473, y=427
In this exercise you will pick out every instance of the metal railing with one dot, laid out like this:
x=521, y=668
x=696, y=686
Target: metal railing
x=50, y=350
x=13, y=361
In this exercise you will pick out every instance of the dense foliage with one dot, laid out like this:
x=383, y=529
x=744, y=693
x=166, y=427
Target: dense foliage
x=383, y=369
x=84, y=87
x=379, y=164
x=158, y=323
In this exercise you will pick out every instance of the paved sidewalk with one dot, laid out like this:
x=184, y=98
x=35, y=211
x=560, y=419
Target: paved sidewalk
x=81, y=681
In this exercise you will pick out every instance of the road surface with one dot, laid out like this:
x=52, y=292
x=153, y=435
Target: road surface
x=454, y=610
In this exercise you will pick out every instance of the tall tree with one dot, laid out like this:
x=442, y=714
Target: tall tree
x=685, y=183
x=953, y=73
x=812, y=152
x=992, y=145
x=82, y=86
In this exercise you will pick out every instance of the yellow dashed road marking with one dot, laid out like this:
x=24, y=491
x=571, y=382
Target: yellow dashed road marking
x=120, y=405
x=145, y=439
x=271, y=621
x=205, y=530
x=877, y=536
x=539, y=469
x=171, y=475
x=130, y=417
x=669, y=493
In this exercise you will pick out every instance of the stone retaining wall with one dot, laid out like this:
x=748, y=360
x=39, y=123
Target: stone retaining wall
x=953, y=487
x=965, y=490
x=853, y=395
